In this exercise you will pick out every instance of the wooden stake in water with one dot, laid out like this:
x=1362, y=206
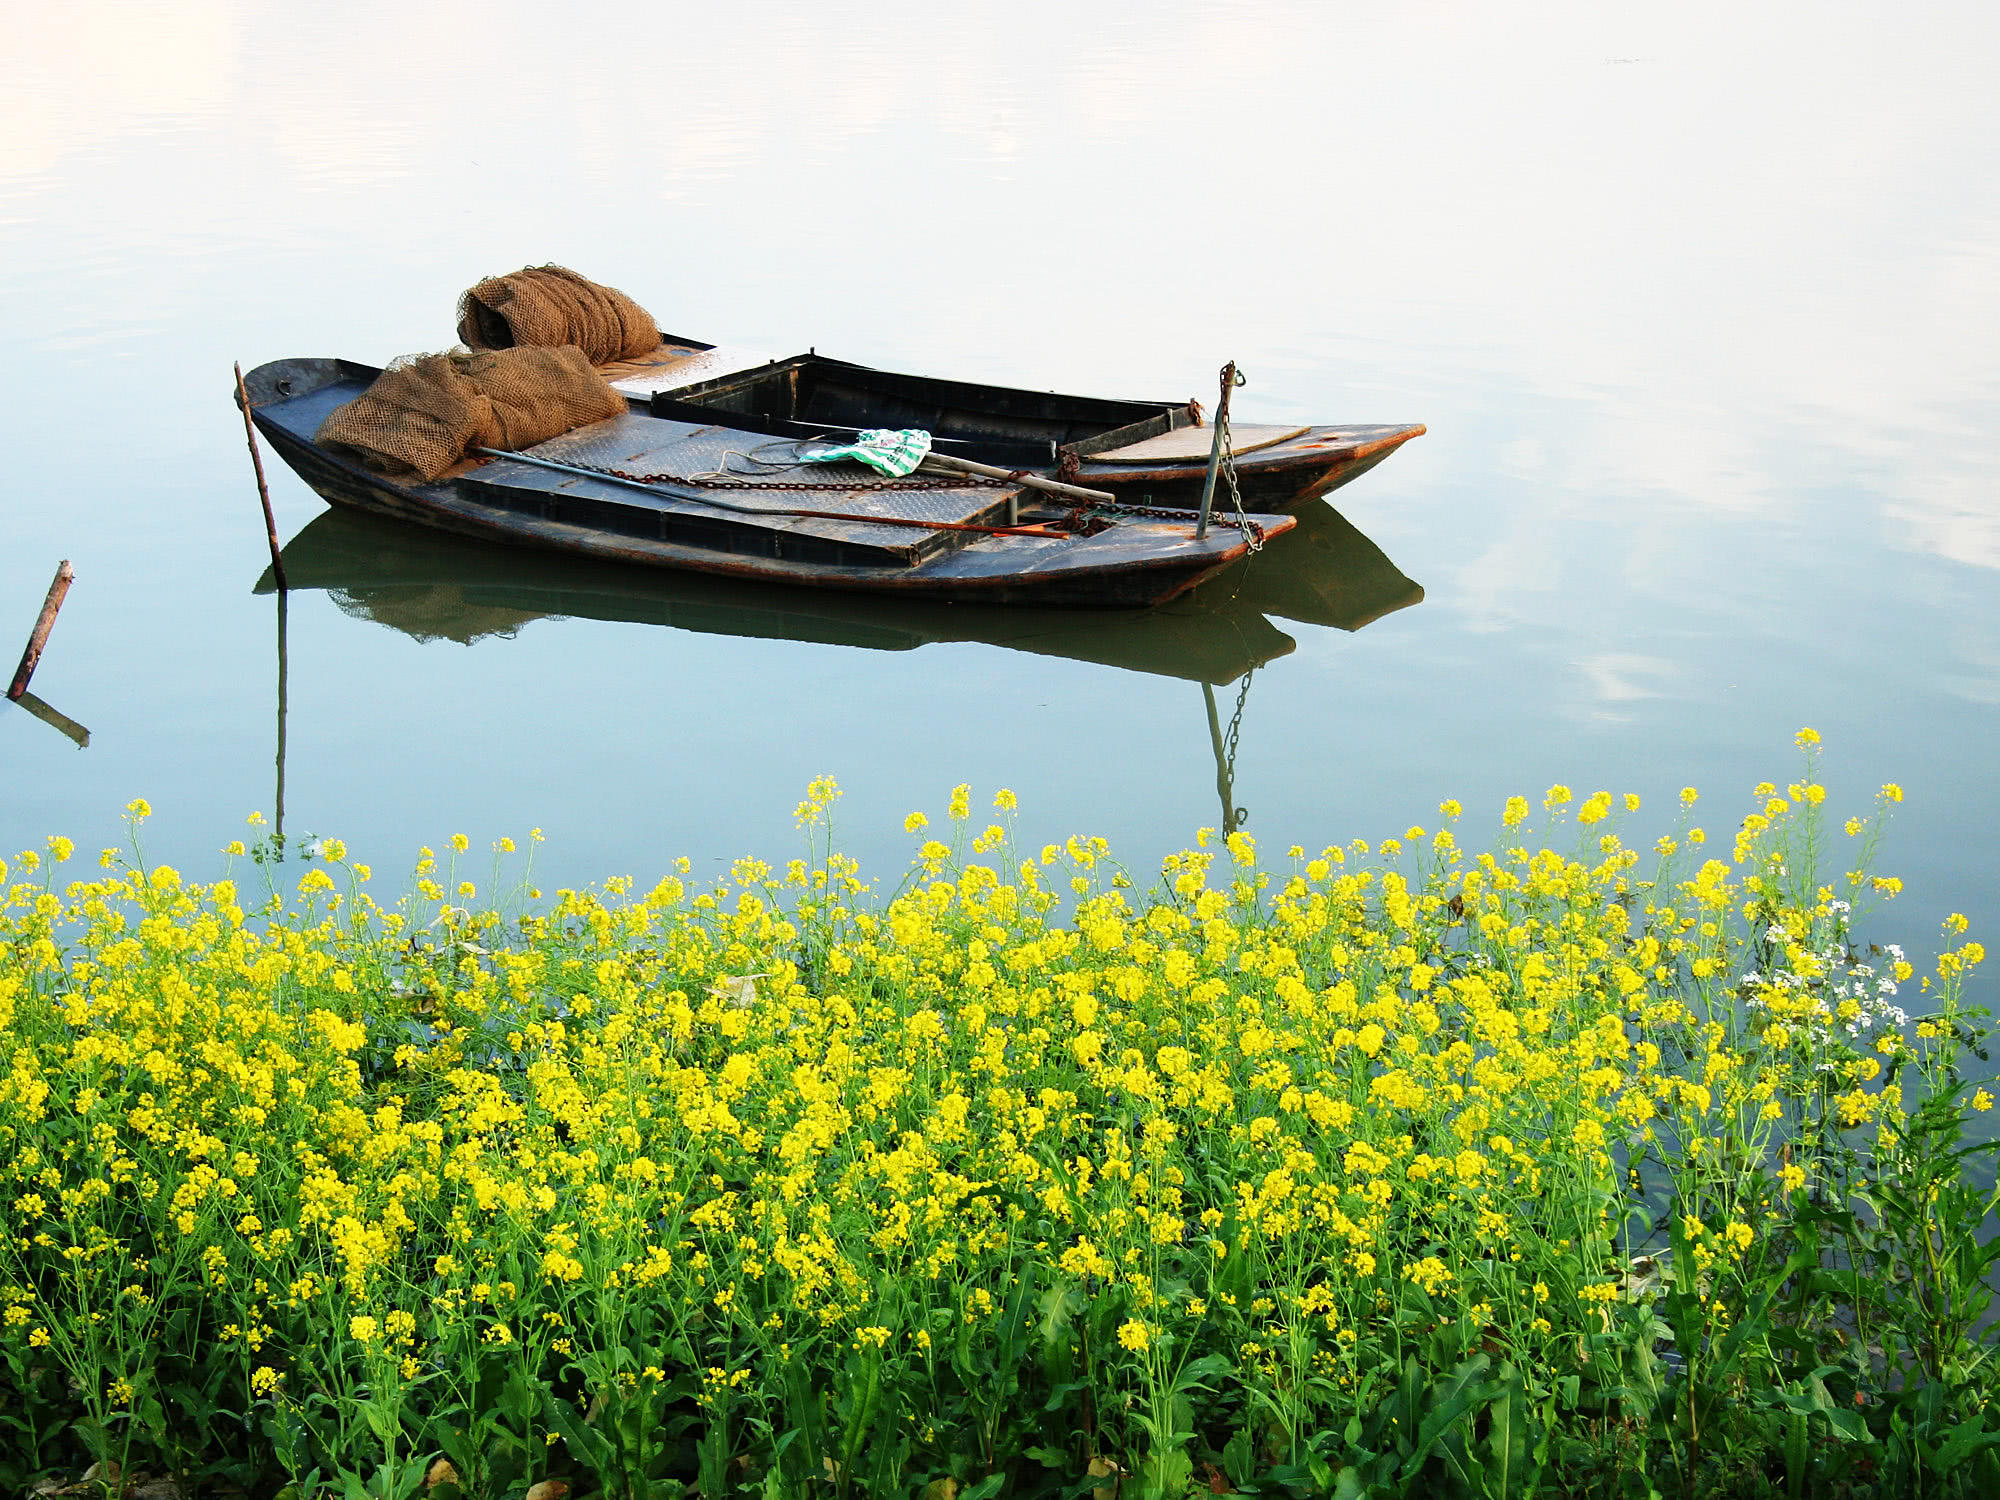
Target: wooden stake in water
x=40, y=636
x=55, y=719
x=263, y=490
x=278, y=810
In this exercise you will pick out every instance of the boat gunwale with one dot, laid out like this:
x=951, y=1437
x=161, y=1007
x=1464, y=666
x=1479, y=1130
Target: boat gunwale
x=1309, y=449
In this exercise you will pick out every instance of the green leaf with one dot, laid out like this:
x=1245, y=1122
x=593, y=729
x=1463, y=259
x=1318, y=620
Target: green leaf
x=1507, y=1435
x=1849, y=1426
x=1059, y=1305
x=585, y=1441
x=1164, y=1474
x=1461, y=1392
x=861, y=1408
x=1061, y=1393
x=1795, y=1455
x=1239, y=1457
x=1199, y=1371
x=1963, y=1441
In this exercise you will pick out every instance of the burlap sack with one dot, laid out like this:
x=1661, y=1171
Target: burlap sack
x=551, y=305
x=424, y=413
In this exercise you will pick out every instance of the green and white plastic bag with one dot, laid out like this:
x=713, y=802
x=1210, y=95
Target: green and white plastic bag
x=883, y=449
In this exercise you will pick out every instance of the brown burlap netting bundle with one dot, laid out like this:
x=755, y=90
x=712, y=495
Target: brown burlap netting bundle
x=551, y=305
x=424, y=413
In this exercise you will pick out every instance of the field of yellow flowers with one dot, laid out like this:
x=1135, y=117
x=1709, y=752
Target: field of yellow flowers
x=1568, y=1168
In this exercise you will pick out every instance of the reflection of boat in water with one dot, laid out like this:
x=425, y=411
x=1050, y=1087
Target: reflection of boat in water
x=437, y=587
x=444, y=588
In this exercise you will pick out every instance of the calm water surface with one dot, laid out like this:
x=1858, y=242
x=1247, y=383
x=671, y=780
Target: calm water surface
x=1704, y=334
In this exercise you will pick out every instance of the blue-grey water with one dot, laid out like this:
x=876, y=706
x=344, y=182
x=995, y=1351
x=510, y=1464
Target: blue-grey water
x=1700, y=303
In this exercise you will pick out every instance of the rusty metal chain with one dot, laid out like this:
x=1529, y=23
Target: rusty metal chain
x=1253, y=533
x=1251, y=530
x=1236, y=816
x=715, y=482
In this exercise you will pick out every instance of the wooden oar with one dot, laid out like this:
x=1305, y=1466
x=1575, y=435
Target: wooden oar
x=937, y=462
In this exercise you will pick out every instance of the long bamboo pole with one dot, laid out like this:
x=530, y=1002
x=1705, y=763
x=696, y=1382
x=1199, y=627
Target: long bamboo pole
x=263, y=490
x=1031, y=481
x=39, y=637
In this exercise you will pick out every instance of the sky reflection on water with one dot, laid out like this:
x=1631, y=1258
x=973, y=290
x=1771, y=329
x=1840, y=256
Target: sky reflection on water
x=1699, y=306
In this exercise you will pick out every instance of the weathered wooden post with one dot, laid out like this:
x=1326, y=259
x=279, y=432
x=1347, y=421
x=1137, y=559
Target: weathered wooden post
x=56, y=719
x=263, y=490
x=40, y=635
x=278, y=809
x=1216, y=455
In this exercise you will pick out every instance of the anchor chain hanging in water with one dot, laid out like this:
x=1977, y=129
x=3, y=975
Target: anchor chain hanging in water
x=1235, y=817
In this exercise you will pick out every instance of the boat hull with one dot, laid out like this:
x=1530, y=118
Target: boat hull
x=1131, y=565
x=1281, y=481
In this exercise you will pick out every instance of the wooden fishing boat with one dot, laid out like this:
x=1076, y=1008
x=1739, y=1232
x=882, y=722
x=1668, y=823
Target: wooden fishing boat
x=643, y=488
x=1154, y=452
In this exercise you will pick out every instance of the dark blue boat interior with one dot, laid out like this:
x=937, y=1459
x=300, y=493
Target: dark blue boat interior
x=811, y=394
